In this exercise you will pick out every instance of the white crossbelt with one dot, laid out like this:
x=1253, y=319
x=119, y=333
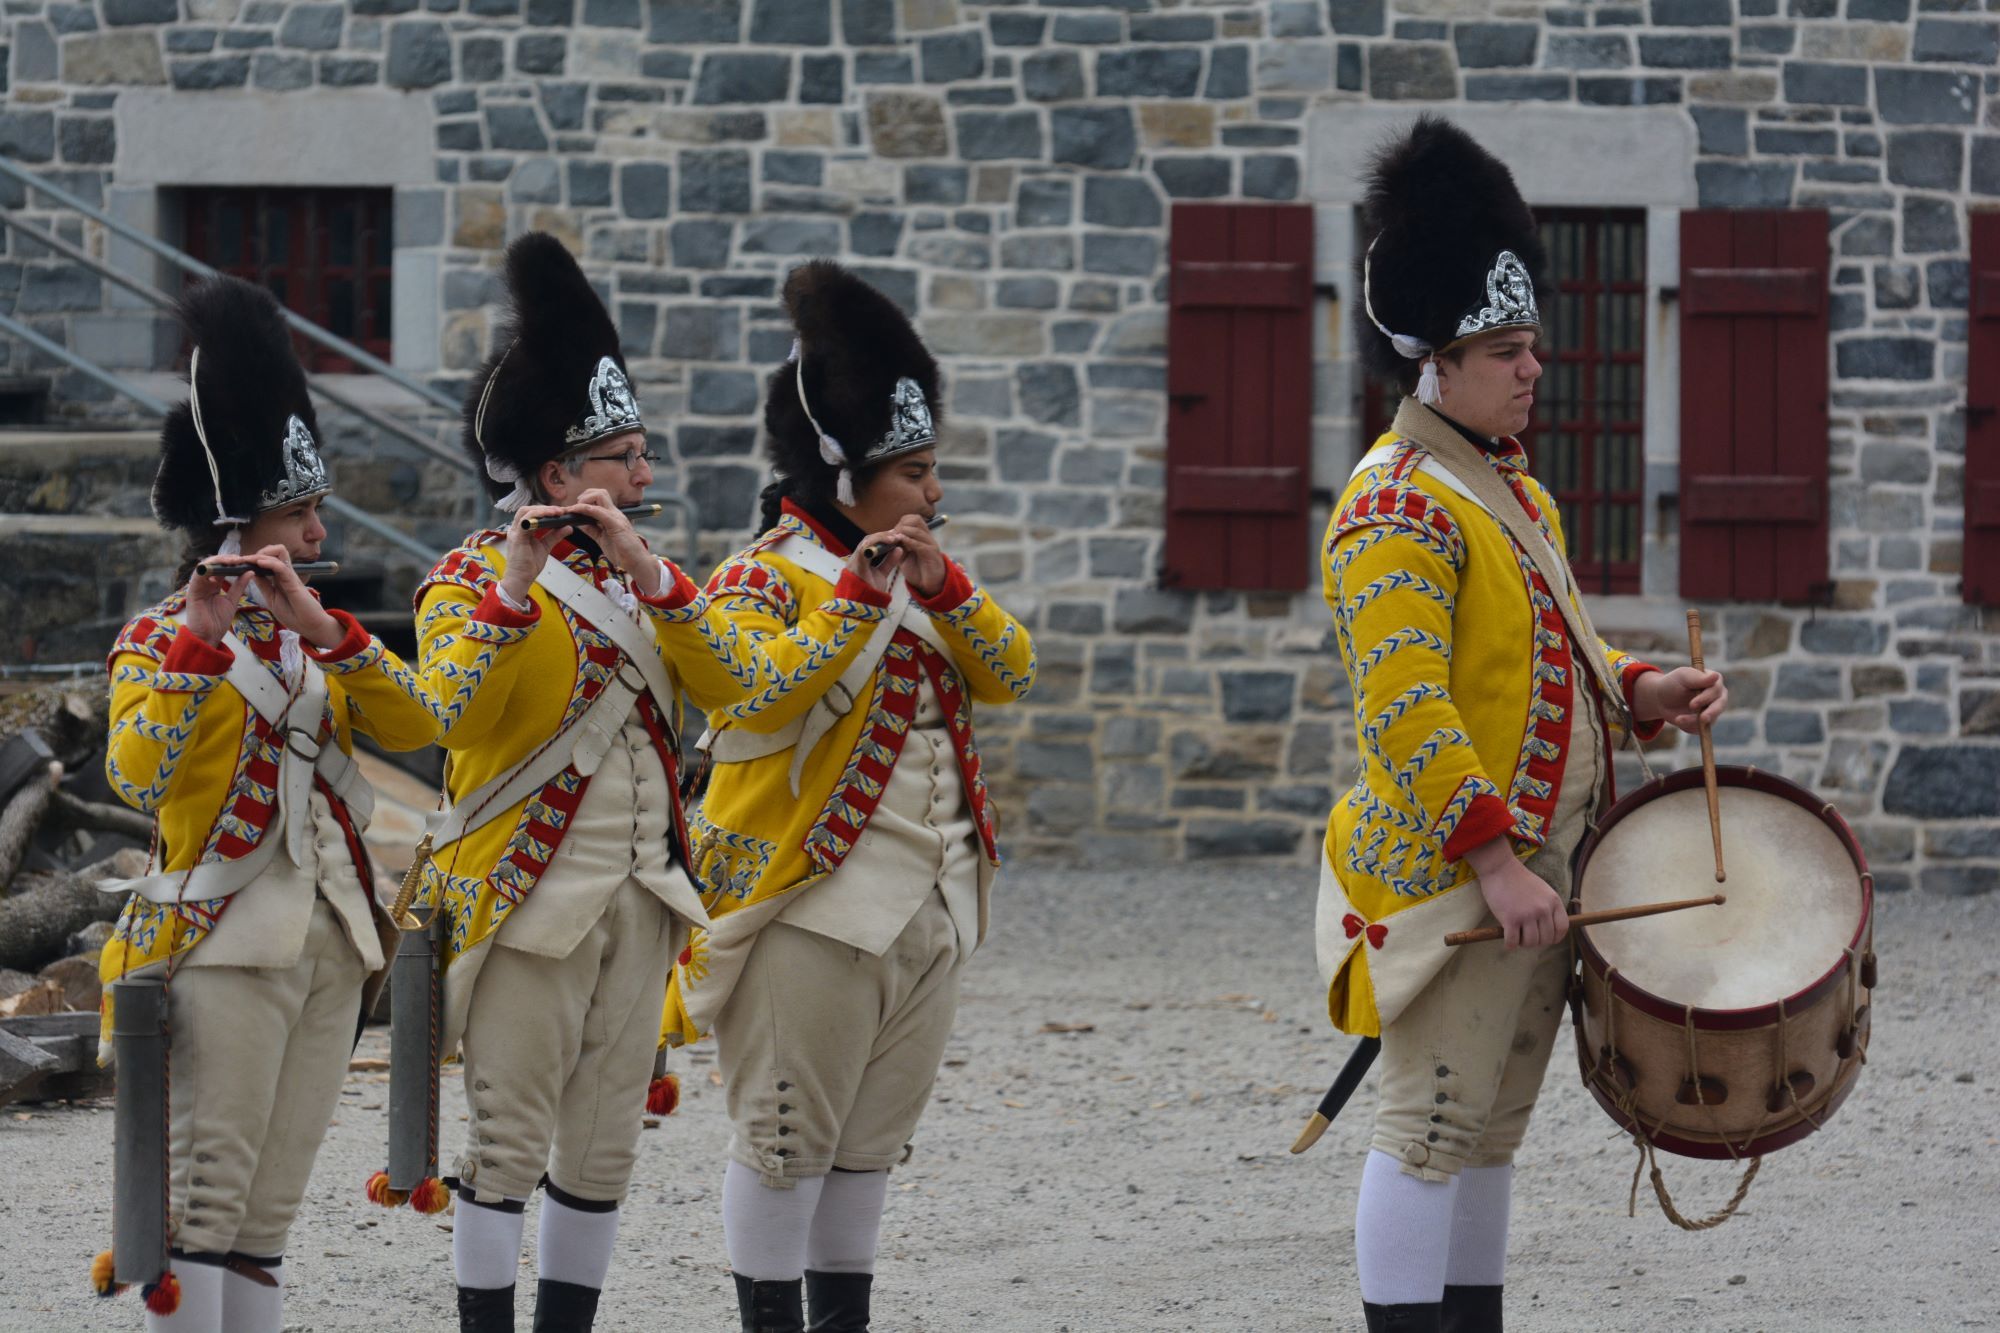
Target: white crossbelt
x=802, y=735
x=594, y=730
x=302, y=757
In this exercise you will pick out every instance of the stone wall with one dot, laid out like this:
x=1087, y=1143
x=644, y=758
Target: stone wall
x=1005, y=171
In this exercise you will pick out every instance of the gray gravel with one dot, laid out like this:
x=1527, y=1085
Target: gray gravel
x=1135, y=1175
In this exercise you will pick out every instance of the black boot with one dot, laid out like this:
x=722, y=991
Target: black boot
x=564, y=1307
x=485, y=1310
x=838, y=1302
x=771, y=1307
x=1403, y=1318
x=1471, y=1310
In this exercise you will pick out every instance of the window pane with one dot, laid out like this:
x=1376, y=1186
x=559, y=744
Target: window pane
x=228, y=233
x=277, y=233
x=340, y=306
x=341, y=229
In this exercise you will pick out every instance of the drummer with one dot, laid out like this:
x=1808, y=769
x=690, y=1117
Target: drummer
x=1448, y=613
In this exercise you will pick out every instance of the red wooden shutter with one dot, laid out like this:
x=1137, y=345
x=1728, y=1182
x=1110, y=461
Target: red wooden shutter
x=1239, y=394
x=1754, y=404
x=1982, y=417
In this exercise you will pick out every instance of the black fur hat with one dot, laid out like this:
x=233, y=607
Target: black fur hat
x=555, y=380
x=870, y=385
x=1448, y=249
x=247, y=397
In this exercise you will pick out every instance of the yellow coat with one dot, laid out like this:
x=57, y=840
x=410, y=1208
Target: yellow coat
x=1463, y=681
x=756, y=842
x=187, y=749
x=507, y=681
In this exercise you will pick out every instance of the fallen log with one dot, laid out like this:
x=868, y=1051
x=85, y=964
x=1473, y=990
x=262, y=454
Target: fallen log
x=67, y=1068
x=37, y=921
x=21, y=817
x=72, y=811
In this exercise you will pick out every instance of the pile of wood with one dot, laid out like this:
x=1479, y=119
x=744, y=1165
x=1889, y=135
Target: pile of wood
x=60, y=833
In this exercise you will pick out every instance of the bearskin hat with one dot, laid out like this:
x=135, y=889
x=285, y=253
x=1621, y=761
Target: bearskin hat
x=555, y=380
x=858, y=389
x=246, y=440
x=1448, y=250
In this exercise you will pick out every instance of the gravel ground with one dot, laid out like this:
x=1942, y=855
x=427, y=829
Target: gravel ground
x=1133, y=1174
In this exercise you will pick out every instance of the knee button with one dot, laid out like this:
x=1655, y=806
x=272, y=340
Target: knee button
x=1431, y=1137
x=485, y=1115
x=784, y=1108
x=784, y=1086
x=784, y=1130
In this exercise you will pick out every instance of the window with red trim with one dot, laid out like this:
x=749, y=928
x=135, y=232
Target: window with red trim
x=325, y=254
x=1586, y=443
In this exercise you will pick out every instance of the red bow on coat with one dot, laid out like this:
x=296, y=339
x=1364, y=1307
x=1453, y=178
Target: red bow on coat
x=1355, y=925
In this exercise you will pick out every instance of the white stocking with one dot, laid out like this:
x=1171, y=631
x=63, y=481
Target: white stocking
x=766, y=1228
x=1479, y=1227
x=574, y=1245
x=486, y=1244
x=848, y=1222
x=1402, y=1233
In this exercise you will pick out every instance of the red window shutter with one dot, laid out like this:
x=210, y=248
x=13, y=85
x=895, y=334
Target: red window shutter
x=1754, y=404
x=1982, y=417
x=1239, y=395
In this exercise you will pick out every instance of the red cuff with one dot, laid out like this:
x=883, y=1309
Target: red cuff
x=852, y=587
x=354, y=639
x=957, y=587
x=496, y=612
x=1484, y=820
x=1628, y=678
x=683, y=591
x=189, y=655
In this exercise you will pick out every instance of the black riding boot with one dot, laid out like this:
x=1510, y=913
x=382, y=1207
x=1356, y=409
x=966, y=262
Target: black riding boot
x=1471, y=1310
x=485, y=1310
x=771, y=1307
x=838, y=1302
x=564, y=1307
x=1403, y=1318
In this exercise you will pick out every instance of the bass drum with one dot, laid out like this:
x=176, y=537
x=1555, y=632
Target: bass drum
x=1725, y=1031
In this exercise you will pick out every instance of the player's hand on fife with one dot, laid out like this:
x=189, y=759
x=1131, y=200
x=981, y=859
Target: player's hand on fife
x=877, y=576
x=1683, y=697
x=288, y=601
x=528, y=550
x=620, y=540
x=1532, y=913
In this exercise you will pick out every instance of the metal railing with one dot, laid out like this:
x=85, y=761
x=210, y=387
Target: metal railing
x=678, y=504
x=306, y=328
x=361, y=518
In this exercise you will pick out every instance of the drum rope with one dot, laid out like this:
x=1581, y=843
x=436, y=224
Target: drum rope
x=1647, y=1158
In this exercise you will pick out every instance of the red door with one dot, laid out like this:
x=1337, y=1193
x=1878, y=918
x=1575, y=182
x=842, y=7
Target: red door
x=1239, y=394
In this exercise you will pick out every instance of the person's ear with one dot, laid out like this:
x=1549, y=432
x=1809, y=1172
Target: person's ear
x=552, y=479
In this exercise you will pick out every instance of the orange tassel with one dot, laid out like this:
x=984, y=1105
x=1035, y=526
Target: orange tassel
x=103, y=1275
x=164, y=1297
x=379, y=1191
x=663, y=1097
x=430, y=1196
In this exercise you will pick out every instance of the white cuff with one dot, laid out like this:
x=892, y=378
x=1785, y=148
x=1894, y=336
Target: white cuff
x=523, y=607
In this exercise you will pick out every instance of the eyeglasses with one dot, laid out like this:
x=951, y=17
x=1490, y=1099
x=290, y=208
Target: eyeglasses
x=631, y=458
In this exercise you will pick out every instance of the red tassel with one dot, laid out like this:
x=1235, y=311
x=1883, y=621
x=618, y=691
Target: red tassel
x=103, y=1275
x=379, y=1191
x=663, y=1097
x=430, y=1196
x=164, y=1297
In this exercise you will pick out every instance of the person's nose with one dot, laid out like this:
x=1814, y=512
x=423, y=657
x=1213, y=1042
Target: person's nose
x=315, y=532
x=1531, y=367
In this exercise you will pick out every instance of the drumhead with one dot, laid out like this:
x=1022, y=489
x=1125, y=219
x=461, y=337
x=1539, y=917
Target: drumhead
x=1794, y=898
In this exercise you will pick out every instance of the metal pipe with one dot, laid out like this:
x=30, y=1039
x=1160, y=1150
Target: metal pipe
x=75, y=362
x=334, y=504
x=139, y=1131
x=195, y=266
x=147, y=292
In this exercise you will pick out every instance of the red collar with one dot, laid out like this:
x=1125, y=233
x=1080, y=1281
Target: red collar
x=818, y=529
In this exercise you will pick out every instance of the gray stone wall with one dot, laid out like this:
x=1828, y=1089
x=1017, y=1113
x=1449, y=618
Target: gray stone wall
x=1005, y=171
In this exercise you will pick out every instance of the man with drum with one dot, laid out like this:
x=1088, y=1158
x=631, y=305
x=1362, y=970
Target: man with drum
x=1483, y=704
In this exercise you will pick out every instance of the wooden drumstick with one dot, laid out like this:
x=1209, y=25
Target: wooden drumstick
x=1487, y=933
x=1707, y=751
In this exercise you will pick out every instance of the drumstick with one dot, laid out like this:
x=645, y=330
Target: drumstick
x=1707, y=750
x=1486, y=933
x=224, y=567
x=557, y=520
x=879, y=552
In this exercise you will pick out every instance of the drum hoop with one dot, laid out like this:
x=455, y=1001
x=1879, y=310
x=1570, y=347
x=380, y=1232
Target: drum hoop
x=1756, y=1016
x=1715, y=1149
